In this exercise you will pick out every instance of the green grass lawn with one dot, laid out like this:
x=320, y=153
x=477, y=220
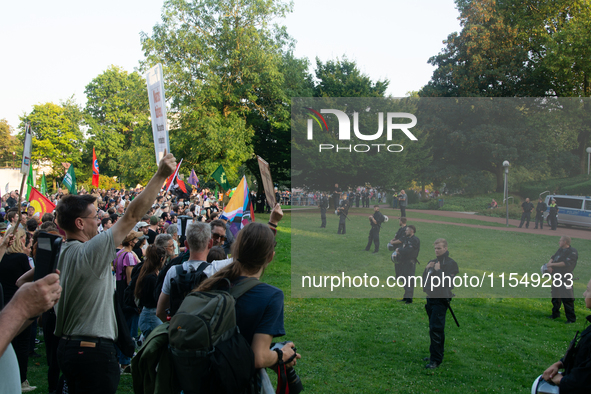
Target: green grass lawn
x=376, y=345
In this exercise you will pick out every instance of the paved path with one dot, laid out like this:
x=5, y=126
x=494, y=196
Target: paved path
x=573, y=232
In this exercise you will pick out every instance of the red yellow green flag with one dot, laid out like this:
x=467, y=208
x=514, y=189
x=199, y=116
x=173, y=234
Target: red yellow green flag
x=41, y=204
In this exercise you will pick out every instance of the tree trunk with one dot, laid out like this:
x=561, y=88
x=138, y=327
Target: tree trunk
x=500, y=179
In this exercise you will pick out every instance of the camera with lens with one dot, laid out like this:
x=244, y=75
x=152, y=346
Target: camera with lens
x=292, y=379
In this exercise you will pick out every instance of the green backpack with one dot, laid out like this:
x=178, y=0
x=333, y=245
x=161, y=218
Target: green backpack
x=208, y=352
x=151, y=368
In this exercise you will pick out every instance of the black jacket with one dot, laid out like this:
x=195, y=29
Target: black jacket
x=410, y=250
x=442, y=288
x=577, y=375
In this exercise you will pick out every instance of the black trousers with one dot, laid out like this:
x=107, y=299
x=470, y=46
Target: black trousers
x=342, y=225
x=540, y=220
x=436, y=311
x=402, y=211
x=407, y=270
x=89, y=369
x=374, y=237
x=569, y=308
x=20, y=343
x=553, y=222
x=323, y=217
x=51, y=344
x=525, y=217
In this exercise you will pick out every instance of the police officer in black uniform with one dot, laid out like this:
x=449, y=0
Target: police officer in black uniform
x=526, y=207
x=357, y=199
x=398, y=240
x=342, y=211
x=323, y=204
x=376, y=221
x=336, y=196
x=553, y=214
x=438, y=298
x=540, y=209
x=407, y=260
x=563, y=262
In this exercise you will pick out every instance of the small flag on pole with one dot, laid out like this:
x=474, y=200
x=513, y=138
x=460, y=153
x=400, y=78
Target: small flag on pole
x=95, y=169
x=43, y=188
x=30, y=182
x=70, y=180
x=193, y=180
x=170, y=179
x=220, y=176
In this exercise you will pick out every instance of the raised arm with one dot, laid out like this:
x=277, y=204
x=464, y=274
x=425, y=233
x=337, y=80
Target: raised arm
x=142, y=203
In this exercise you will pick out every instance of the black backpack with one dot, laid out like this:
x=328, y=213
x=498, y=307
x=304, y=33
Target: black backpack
x=208, y=352
x=184, y=282
x=130, y=303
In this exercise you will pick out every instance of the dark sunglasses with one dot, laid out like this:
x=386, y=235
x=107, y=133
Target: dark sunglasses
x=217, y=236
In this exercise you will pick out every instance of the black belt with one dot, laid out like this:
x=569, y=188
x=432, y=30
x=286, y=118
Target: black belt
x=87, y=339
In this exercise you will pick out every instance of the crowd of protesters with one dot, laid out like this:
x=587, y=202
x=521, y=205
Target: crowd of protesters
x=137, y=234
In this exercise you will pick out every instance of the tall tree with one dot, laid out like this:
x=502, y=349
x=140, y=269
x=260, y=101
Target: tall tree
x=222, y=69
x=116, y=110
x=57, y=137
x=342, y=78
x=486, y=59
x=8, y=143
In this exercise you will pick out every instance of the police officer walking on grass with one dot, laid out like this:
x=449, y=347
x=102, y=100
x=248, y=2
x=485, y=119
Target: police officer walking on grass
x=438, y=298
x=540, y=209
x=376, y=221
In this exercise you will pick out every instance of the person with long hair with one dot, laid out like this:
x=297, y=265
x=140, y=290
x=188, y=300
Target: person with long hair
x=13, y=265
x=145, y=286
x=259, y=312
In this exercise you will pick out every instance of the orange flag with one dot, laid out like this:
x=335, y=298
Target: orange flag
x=40, y=202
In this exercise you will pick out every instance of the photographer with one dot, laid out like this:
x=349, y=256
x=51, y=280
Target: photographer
x=407, y=259
x=576, y=378
x=375, y=221
x=438, y=298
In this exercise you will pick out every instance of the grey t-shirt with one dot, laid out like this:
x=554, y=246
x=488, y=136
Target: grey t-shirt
x=402, y=198
x=86, y=304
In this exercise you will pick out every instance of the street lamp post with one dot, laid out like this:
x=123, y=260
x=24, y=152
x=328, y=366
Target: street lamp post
x=13, y=158
x=506, y=166
x=588, y=159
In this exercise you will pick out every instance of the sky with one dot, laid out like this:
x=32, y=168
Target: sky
x=52, y=50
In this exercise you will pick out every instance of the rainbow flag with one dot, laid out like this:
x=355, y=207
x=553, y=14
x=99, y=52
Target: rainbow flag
x=238, y=210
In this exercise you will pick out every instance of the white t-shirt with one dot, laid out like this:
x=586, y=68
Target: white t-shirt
x=187, y=265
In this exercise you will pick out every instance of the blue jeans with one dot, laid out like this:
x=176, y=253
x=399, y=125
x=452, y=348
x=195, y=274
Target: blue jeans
x=148, y=321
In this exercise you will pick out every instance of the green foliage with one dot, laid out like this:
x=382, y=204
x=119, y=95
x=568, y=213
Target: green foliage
x=8, y=144
x=56, y=134
x=342, y=78
x=578, y=186
x=118, y=116
x=222, y=65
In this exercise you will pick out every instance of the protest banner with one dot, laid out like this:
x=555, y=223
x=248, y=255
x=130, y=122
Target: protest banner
x=267, y=181
x=155, y=83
